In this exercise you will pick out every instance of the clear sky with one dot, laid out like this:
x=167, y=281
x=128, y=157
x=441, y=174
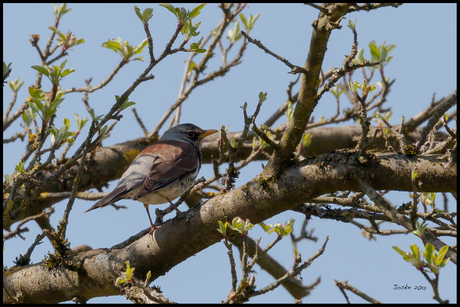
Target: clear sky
x=424, y=63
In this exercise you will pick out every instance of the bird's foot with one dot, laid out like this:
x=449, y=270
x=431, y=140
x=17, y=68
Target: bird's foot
x=152, y=229
x=180, y=214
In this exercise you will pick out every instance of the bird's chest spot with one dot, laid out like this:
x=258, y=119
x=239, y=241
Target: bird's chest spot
x=180, y=187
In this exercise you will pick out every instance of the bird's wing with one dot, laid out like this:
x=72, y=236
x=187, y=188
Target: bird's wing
x=132, y=179
x=173, y=161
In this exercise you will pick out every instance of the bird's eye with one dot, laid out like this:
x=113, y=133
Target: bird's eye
x=191, y=134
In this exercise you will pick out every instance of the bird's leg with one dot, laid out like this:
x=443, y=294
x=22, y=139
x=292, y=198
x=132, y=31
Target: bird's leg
x=179, y=214
x=152, y=228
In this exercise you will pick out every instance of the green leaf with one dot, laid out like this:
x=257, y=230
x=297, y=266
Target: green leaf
x=265, y=227
x=336, y=91
x=248, y=24
x=244, y=21
x=240, y=225
x=147, y=279
x=36, y=93
x=36, y=105
x=388, y=115
x=429, y=252
x=15, y=85
x=404, y=254
x=354, y=86
x=129, y=271
x=120, y=280
x=9, y=178
x=415, y=250
x=103, y=132
x=54, y=135
x=138, y=13
x=306, y=140
x=428, y=198
x=79, y=41
x=66, y=123
x=222, y=228
x=20, y=167
x=359, y=57
x=385, y=130
x=196, y=11
x=191, y=67
x=289, y=225
x=139, y=48
x=440, y=258
x=6, y=68
x=197, y=50
x=80, y=122
x=262, y=97
x=290, y=110
x=375, y=53
x=169, y=7
x=55, y=30
x=264, y=144
x=413, y=174
x=114, y=45
x=28, y=116
x=383, y=55
x=352, y=25
x=127, y=105
x=124, y=49
x=57, y=102
x=235, y=34
x=146, y=15
x=281, y=229
x=62, y=66
x=419, y=230
x=390, y=47
x=67, y=72
x=139, y=58
x=191, y=29
x=60, y=11
x=95, y=118
x=41, y=70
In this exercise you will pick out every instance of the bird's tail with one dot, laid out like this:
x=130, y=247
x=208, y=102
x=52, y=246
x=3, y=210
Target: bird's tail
x=96, y=205
x=111, y=198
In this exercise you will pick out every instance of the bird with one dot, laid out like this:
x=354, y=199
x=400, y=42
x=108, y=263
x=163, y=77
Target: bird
x=163, y=171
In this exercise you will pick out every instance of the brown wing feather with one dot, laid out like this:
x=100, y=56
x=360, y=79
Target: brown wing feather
x=175, y=160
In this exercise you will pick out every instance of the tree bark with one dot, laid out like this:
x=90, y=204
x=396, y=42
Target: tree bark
x=257, y=200
x=108, y=163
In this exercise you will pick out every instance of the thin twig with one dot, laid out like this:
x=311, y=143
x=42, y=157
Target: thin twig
x=139, y=121
x=448, y=103
x=294, y=68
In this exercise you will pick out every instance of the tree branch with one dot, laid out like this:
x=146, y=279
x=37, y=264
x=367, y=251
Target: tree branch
x=306, y=100
x=256, y=200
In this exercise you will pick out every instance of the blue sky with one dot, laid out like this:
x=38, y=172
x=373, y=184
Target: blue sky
x=424, y=63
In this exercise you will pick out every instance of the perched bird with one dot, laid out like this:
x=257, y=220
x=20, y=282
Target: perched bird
x=163, y=171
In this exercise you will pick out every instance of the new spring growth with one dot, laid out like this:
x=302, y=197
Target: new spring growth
x=280, y=229
x=238, y=224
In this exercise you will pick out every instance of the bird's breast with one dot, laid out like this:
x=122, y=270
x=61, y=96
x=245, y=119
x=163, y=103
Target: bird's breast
x=172, y=192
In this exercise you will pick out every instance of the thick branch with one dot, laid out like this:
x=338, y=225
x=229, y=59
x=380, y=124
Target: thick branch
x=108, y=163
x=307, y=98
x=257, y=200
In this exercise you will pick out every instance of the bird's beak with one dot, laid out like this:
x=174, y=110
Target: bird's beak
x=206, y=133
